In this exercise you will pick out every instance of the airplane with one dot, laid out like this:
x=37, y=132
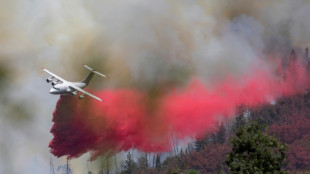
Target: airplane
x=64, y=87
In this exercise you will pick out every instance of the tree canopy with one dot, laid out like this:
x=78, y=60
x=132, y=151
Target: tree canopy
x=255, y=152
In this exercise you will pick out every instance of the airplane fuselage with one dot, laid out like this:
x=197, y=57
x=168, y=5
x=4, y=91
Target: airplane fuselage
x=63, y=88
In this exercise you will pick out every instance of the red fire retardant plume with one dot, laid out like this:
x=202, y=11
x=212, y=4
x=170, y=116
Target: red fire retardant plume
x=126, y=120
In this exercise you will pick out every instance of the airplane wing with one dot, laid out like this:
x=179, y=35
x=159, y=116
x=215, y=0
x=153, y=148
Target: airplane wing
x=85, y=92
x=54, y=75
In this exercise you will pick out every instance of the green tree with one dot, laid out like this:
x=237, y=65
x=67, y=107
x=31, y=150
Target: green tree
x=255, y=152
x=182, y=160
x=199, y=144
x=220, y=136
x=239, y=121
x=157, y=162
x=142, y=162
x=129, y=166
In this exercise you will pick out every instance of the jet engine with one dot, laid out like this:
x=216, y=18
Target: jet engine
x=48, y=80
x=55, y=82
x=81, y=96
x=74, y=93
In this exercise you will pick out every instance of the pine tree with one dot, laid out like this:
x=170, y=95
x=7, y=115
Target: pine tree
x=239, y=122
x=129, y=166
x=220, y=136
x=182, y=162
x=142, y=162
x=157, y=162
x=255, y=152
x=199, y=144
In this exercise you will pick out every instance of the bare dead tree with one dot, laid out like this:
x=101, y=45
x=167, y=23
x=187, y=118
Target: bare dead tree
x=51, y=166
x=116, y=169
x=67, y=166
x=108, y=167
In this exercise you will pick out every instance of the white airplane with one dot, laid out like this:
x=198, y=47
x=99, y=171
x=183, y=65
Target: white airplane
x=64, y=87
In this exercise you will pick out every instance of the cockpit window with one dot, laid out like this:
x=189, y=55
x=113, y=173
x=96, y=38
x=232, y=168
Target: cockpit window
x=56, y=88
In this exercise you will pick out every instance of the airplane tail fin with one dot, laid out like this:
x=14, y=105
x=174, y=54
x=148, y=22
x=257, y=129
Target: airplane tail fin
x=91, y=74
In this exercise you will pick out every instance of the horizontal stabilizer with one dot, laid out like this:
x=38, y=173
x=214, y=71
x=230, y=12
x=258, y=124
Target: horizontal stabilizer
x=87, y=67
x=96, y=72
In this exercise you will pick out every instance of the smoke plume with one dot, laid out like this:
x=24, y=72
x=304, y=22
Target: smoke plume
x=177, y=67
x=158, y=51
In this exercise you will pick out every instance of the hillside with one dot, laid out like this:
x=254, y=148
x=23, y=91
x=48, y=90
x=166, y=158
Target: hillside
x=288, y=120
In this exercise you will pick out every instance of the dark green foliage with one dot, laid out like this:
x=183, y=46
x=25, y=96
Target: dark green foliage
x=142, y=162
x=157, y=162
x=182, y=163
x=129, y=166
x=199, y=144
x=255, y=152
x=239, y=121
x=220, y=136
x=267, y=114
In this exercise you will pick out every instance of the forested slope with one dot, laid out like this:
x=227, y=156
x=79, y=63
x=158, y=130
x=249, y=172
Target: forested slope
x=288, y=120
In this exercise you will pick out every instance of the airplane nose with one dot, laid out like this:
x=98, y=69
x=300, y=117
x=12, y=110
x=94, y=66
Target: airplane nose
x=53, y=91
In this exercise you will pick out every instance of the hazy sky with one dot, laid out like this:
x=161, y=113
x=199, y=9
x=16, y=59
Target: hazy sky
x=139, y=43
